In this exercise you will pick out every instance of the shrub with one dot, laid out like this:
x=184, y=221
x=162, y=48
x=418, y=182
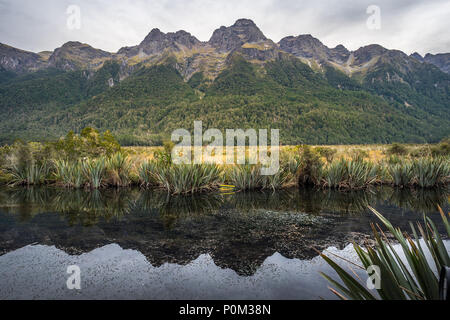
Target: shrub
x=441, y=149
x=23, y=165
x=5, y=177
x=249, y=177
x=358, y=154
x=327, y=153
x=310, y=168
x=420, y=152
x=4, y=152
x=397, y=149
x=21, y=156
x=90, y=143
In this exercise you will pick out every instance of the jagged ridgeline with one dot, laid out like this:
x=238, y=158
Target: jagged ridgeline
x=238, y=79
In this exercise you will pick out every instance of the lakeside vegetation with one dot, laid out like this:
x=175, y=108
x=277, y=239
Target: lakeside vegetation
x=95, y=160
x=413, y=277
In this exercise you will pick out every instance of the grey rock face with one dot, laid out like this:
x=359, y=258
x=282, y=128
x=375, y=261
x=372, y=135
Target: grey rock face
x=339, y=53
x=243, y=37
x=417, y=56
x=366, y=53
x=306, y=46
x=243, y=31
x=440, y=60
x=75, y=55
x=17, y=60
x=156, y=42
x=256, y=54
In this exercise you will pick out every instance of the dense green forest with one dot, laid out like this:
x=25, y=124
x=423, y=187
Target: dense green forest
x=307, y=106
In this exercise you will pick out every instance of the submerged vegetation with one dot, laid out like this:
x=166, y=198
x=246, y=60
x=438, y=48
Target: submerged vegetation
x=95, y=160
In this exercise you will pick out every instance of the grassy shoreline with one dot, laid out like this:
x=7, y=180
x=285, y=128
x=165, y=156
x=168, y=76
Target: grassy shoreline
x=119, y=170
x=93, y=160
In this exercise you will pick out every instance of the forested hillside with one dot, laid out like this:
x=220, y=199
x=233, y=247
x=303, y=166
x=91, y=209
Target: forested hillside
x=239, y=79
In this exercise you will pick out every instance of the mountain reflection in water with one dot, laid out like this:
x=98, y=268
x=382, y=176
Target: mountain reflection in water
x=109, y=272
x=115, y=203
x=239, y=231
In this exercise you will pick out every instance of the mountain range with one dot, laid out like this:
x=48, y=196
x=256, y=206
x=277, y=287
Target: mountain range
x=238, y=79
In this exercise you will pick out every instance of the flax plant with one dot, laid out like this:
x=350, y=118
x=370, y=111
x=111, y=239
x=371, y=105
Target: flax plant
x=413, y=278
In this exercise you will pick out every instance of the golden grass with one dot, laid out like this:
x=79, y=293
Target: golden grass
x=374, y=153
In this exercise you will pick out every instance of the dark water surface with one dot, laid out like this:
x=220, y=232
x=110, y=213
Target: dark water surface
x=132, y=244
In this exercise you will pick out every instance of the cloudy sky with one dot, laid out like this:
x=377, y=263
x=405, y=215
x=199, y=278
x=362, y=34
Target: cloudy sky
x=408, y=25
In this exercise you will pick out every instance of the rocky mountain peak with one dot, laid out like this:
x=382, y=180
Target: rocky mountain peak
x=306, y=46
x=154, y=34
x=244, y=23
x=17, y=60
x=417, y=56
x=75, y=55
x=303, y=45
x=440, y=60
x=366, y=53
x=340, y=47
x=243, y=37
x=242, y=31
x=184, y=38
x=157, y=41
x=78, y=47
x=339, y=54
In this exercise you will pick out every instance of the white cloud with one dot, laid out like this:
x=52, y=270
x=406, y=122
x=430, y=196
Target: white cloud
x=111, y=24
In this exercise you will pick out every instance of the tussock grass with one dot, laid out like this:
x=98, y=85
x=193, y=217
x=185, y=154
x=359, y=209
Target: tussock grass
x=147, y=173
x=430, y=172
x=69, y=175
x=249, y=177
x=118, y=169
x=30, y=174
x=94, y=171
x=184, y=179
x=335, y=167
x=351, y=174
x=401, y=175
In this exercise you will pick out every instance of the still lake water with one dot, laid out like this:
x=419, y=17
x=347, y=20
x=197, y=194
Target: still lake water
x=137, y=244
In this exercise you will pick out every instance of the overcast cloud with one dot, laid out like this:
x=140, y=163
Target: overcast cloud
x=408, y=25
